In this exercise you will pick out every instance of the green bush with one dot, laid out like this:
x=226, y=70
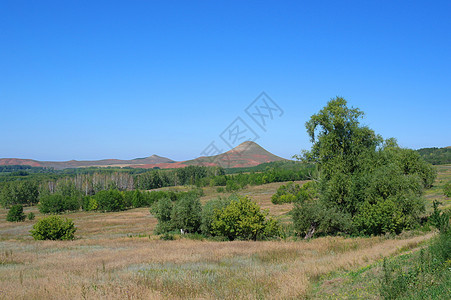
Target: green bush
x=57, y=203
x=447, y=189
x=138, y=199
x=162, y=210
x=439, y=219
x=243, y=219
x=54, y=228
x=313, y=217
x=209, y=210
x=232, y=186
x=286, y=193
x=15, y=214
x=31, y=216
x=186, y=214
x=110, y=200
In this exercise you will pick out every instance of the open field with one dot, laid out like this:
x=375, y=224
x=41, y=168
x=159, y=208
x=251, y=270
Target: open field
x=116, y=257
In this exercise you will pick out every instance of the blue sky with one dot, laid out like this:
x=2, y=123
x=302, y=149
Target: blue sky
x=126, y=79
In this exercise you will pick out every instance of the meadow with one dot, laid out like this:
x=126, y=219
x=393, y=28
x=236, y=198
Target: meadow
x=116, y=256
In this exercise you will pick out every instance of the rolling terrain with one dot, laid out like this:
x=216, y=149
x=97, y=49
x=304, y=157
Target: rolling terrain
x=246, y=154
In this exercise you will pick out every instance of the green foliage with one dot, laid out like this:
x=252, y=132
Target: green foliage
x=436, y=156
x=110, y=200
x=422, y=275
x=447, y=189
x=286, y=193
x=167, y=237
x=372, y=186
x=162, y=211
x=31, y=216
x=57, y=203
x=312, y=216
x=186, y=214
x=232, y=186
x=15, y=214
x=292, y=192
x=209, y=210
x=243, y=219
x=439, y=219
x=138, y=199
x=19, y=192
x=383, y=216
x=53, y=228
x=90, y=203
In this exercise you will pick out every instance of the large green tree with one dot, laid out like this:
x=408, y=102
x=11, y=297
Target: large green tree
x=365, y=184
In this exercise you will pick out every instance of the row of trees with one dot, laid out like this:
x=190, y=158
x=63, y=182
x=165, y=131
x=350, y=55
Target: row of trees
x=30, y=190
x=436, y=156
x=231, y=218
x=107, y=200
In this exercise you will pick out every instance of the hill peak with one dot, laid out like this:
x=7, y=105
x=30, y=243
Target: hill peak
x=245, y=154
x=246, y=146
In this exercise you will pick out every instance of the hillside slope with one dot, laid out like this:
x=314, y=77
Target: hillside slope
x=246, y=154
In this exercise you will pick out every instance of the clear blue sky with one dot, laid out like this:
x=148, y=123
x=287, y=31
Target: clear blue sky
x=126, y=79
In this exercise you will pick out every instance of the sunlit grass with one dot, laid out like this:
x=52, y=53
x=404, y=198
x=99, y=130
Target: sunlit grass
x=116, y=256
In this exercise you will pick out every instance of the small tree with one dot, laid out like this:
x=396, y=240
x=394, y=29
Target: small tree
x=162, y=210
x=53, y=228
x=243, y=219
x=186, y=214
x=208, y=213
x=138, y=199
x=110, y=200
x=15, y=214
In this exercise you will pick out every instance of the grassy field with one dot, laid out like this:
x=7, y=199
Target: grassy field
x=115, y=256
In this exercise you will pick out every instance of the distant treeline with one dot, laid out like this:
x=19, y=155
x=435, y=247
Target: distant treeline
x=28, y=189
x=436, y=156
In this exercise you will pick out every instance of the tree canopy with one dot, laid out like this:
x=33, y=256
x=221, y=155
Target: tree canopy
x=366, y=184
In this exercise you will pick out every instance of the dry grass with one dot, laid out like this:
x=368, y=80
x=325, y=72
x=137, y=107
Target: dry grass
x=111, y=261
x=117, y=257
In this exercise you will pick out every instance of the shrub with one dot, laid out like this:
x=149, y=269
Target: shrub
x=286, y=193
x=312, y=216
x=209, y=210
x=447, y=189
x=242, y=219
x=53, y=228
x=30, y=216
x=57, y=203
x=439, y=219
x=162, y=210
x=232, y=186
x=15, y=214
x=138, y=199
x=186, y=214
x=110, y=200
x=167, y=237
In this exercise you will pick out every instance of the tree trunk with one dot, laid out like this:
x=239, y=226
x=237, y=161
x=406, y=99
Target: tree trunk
x=310, y=232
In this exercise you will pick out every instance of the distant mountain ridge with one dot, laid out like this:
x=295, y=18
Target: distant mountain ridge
x=247, y=154
x=58, y=165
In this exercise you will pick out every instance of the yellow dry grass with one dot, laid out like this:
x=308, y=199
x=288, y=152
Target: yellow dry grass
x=117, y=257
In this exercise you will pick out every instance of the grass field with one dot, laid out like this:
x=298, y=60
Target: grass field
x=115, y=256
